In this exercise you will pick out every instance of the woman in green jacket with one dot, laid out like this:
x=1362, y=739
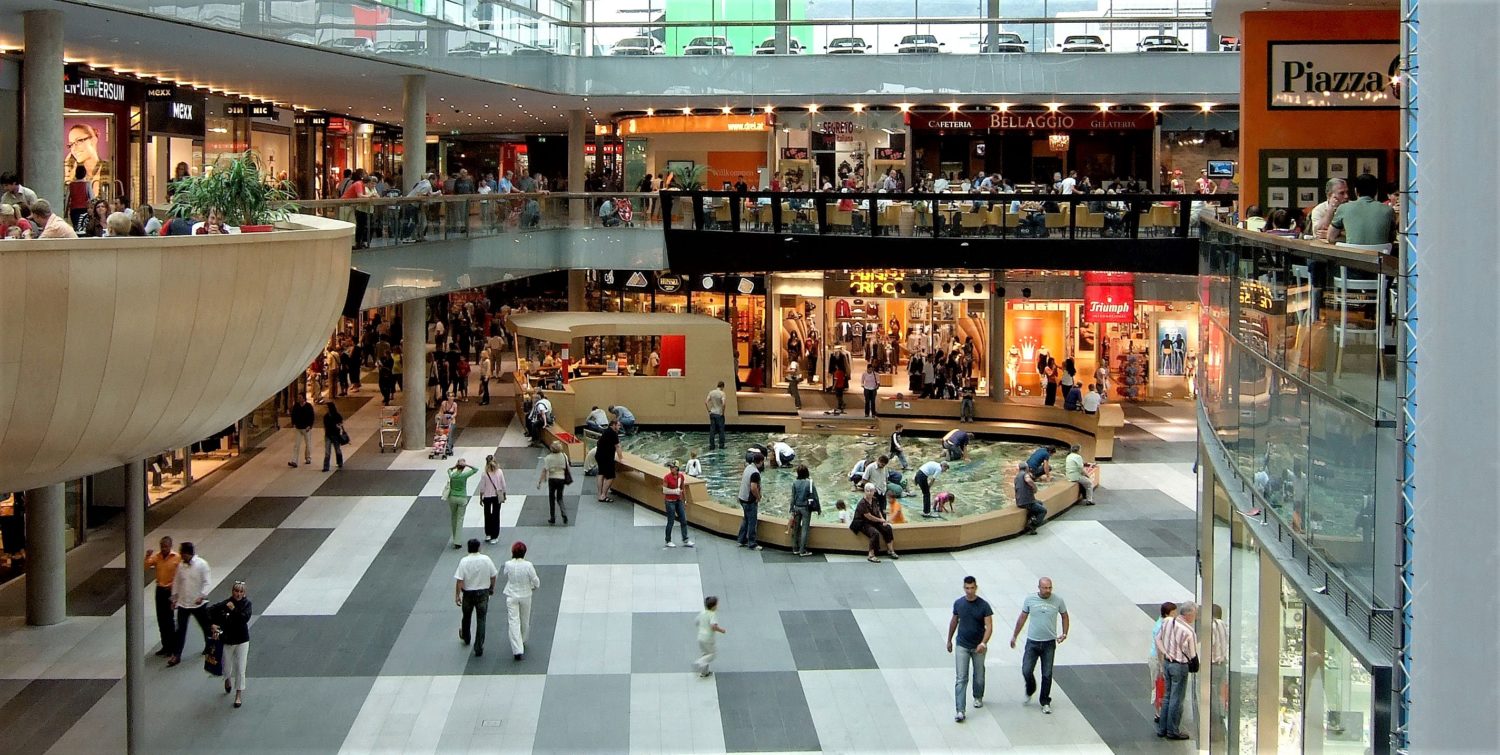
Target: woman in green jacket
x=458, y=496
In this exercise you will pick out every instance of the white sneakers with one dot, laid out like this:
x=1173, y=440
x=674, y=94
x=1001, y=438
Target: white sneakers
x=671, y=544
x=685, y=544
x=1047, y=709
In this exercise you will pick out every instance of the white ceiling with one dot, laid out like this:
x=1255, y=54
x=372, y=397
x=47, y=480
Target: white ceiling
x=1226, y=13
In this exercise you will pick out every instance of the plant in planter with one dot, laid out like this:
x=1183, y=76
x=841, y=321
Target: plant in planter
x=239, y=189
x=694, y=180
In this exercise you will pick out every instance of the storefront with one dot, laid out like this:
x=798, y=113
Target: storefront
x=840, y=145
x=175, y=130
x=739, y=300
x=1030, y=148
x=1147, y=347
x=1203, y=145
x=720, y=149
x=97, y=118
x=237, y=125
x=311, y=134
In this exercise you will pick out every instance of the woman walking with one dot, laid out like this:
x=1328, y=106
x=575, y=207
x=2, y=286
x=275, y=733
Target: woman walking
x=520, y=582
x=804, y=503
x=333, y=434
x=458, y=497
x=491, y=495
x=555, y=474
x=231, y=625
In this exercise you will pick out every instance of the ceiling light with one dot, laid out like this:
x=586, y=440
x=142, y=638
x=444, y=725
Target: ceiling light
x=726, y=109
x=1207, y=106
x=687, y=111
x=1053, y=106
x=954, y=106
x=1105, y=106
x=1155, y=106
x=442, y=99
x=1003, y=106
x=812, y=108
x=770, y=109
x=904, y=106
x=858, y=108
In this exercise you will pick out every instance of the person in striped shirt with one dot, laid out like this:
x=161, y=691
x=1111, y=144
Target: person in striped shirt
x=1177, y=646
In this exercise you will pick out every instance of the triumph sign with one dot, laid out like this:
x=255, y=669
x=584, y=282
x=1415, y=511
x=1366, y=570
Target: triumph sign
x=1108, y=297
x=1333, y=75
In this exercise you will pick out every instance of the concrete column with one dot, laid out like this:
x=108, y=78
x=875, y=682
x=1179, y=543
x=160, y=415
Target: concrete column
x=992, y=29
x=578, y=209
x=414, y=375
x=577, y=290
x=998, y=384
x=135, y=607
x=783, y=33
x=1156, y=158
x=42, y=107
x=413, y=129
x=46, y=553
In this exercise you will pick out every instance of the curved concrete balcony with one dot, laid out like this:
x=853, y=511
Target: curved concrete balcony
x=115, y=349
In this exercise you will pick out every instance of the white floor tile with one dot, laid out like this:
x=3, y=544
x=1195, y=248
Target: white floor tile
x=402, y=714
x=595, y=643
x=325, y=581
x=674, y=713
x=830, y=699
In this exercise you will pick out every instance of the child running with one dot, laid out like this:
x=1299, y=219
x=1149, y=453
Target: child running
x=708, y=626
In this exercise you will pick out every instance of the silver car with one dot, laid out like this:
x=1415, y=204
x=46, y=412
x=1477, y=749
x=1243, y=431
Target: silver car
x=1004, y=42
x=768, y=47
x=846, y=46
x=636, y=46
x=1161, y=43
x=919, y=43
x=1082, y=43
x=708, y=46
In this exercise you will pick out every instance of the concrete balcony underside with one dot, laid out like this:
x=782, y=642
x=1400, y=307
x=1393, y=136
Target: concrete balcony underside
x=410, y=271
x=114, y=349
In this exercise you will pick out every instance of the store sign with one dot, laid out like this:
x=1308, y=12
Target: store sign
x=311, y=121
x=249, y=110
x=698, y=124
x=875, y=282
x=1031, y=121
x=82, y=85
x=160, y=93
x=668, y=283
x=1259, y=296
x=1345, y=74
x=1108, y=297
x=610, y=148
x=794, y=153
x=183, y=114
x=886, y=153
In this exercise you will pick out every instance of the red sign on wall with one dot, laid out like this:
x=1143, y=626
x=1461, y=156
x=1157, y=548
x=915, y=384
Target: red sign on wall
x=1108, y=297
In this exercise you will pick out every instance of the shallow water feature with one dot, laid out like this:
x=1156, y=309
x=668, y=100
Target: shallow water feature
x=983, y=483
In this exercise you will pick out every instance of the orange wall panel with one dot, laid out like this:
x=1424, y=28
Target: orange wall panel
x=731, y=166
x=1262, y=128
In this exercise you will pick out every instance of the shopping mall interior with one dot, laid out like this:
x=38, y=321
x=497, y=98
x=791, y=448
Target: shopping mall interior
x=1102, y=321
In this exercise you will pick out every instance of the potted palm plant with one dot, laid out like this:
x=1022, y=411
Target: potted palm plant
x=238, y=188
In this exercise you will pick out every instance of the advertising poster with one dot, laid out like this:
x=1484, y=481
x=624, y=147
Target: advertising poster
x=1171, y=348
x=87, y=143
x=1033, y=335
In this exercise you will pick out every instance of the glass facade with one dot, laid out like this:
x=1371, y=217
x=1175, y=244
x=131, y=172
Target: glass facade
x=1297, y=390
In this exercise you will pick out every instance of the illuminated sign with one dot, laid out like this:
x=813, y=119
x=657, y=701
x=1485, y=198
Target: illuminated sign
x=90, y=86
x=1032, y=121
x=1108, y=297
x=1341, y=74
x=249, y=110
x=875, y=282
x=1260, y=296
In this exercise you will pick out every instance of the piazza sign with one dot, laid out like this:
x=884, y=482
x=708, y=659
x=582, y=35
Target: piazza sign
x=1333, y=75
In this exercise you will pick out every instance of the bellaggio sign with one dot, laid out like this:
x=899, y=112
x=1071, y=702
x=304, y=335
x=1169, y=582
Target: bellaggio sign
x=1031, y=121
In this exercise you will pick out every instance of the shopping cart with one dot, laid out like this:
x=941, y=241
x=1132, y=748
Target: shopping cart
x=390, y=429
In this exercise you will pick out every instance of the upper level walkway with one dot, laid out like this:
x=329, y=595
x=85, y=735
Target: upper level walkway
x=720, y=231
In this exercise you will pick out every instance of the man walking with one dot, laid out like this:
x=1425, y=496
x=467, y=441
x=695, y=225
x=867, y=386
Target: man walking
x=189, y=598
x=473, y=584
x=925, y=475
x=1042, y=638
x=1177, y=646
x=750, y=501
x=974, y=621
x=870, y=382
x=897, y=451
x=165, y=564
x=302, y=424
x=715, y=404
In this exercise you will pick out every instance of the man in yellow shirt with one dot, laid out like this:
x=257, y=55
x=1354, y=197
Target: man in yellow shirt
x=165, y=563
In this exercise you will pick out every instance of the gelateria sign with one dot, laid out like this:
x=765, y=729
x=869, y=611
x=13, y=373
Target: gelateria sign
x=1030, y=121
x=1333, y=75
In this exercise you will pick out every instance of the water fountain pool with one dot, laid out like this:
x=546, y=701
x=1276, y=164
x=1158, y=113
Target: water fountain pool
x=981, y=484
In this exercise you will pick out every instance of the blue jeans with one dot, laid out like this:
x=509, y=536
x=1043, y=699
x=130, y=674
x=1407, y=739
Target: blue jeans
x=964, y=659
x=1043, y=650
x=902, y=456
x=716, y=429
x=1176, y=675
x=751, y=512
x=331, y=447
x=675, y=509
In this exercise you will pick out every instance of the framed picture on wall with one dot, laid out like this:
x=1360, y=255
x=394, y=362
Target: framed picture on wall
x=1369, y=165
x=1307, y=196
x=1338, y=167
x=1278, y=167
x=1278, y=197
x=1307, y=168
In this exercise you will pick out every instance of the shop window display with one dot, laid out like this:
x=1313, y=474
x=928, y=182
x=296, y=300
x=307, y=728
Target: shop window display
x=1221, y=613
x=1244, y=645
x=1340, y=695
x=1290, y=699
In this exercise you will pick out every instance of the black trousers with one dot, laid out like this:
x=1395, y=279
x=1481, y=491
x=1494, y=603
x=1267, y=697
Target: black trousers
x=201, y=615
x=491, y=506
x=555, y=499
x=926, y=486
x=166, y=624
x=476, y=603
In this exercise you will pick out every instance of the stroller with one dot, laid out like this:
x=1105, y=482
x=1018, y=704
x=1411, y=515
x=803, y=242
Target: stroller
x=624, y=211
x=442, y=437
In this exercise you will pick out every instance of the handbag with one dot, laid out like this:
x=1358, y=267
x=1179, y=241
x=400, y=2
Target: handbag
x=813, y=505
x=343, y=435
x=213, y=656
x=1192, y=665
x=568, y=474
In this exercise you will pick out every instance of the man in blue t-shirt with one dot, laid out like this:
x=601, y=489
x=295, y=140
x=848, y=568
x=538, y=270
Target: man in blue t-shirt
x=1040, y=463
x=973, y=619
x=956, y=443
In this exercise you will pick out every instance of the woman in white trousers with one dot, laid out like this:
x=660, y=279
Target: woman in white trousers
x=231, y=625
x=520, y=582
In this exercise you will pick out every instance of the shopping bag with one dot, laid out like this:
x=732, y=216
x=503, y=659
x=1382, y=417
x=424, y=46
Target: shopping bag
x=213, y=657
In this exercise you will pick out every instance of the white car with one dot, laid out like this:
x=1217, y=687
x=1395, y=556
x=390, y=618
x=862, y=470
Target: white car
x=401, y=48
x=768, y=47
x=1161, y=43
x=1004, y=42
x=352, y=44
x=846, y=46
x=708, y=46
x=1082, y=43
x=919, y=43
x=636, y=46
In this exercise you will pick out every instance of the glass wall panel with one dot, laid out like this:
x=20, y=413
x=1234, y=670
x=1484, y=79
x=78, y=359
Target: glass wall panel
x=1222, y=613
x=1292, y=646
x=1339, y=719
x=1340, y=524
x=1244, y=639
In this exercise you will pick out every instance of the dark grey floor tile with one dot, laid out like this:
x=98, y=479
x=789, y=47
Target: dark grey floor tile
x=545, y=602
x=491, y=417
x=764, y=711
x=662, y=642
x=1122, y=715
x=273, y=563
x=521, y=458
x=101, y=594
x=826, y=640
x=778, y=556
x=264, y=512
x=584, y=713
x=535, y=512
x=363, y=482
x=42, y=711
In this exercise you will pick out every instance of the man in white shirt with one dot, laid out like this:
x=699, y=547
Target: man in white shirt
x=1091, y=400
x=1337, y=191
x=14, y=193
x=1066, y=185
x=875, y=475
x=925, y=475
x=473, y=584
x=190, y=598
